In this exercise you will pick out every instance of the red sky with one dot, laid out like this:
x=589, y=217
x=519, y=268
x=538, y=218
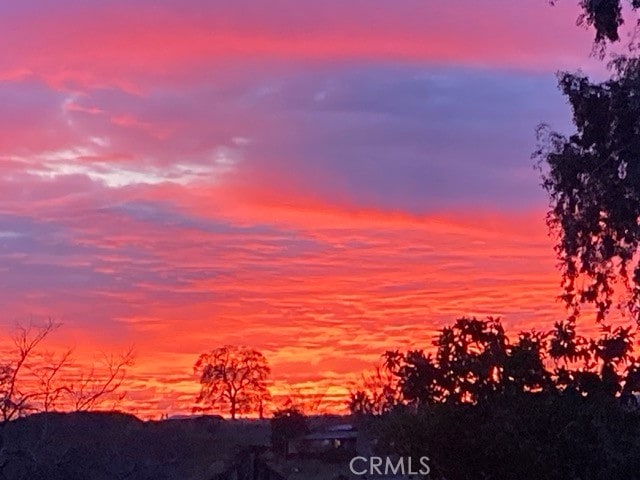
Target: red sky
x=321, y=182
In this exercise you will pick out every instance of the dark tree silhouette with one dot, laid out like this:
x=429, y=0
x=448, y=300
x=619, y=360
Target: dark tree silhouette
x=551, y=404
x=468, y=366
x=308, y=402
x=377, y=392
x=605, y=16
x=419, y=379
x=524, y=369
x=16, y=399
x=471, y=356
x=286, y=426
x=593, y=180
x=34, y=380
x=233, y=376
x=98, y=384
x=475, y=363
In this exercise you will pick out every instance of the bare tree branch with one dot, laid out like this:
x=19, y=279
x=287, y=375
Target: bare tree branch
x=13, y=402
x=92, y=388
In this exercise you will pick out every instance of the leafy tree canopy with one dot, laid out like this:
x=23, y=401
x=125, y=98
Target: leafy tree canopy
x=476, y=363
x=593, y=180
x=233, y=376
x=552, y=405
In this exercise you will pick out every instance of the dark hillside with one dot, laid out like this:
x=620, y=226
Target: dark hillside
x=88, y=446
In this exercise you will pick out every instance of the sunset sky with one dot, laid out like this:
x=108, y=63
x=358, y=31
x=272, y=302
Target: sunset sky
x=320, y=180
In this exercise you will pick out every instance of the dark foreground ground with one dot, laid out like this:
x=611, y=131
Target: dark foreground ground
x=118, y=446
x=111, y=446
x=521, y=437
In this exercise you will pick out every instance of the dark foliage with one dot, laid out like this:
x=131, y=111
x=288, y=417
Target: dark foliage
x=593, y=180
x=287, y=425
x=475, y=362
x=376, y=393
x=550, y=405
x=605, y=16
x=535, y=436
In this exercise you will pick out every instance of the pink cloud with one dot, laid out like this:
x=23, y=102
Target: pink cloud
x=111, y=45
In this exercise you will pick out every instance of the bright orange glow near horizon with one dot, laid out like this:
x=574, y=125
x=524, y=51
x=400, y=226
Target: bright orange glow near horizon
x=321, y=183
x=369, y=282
